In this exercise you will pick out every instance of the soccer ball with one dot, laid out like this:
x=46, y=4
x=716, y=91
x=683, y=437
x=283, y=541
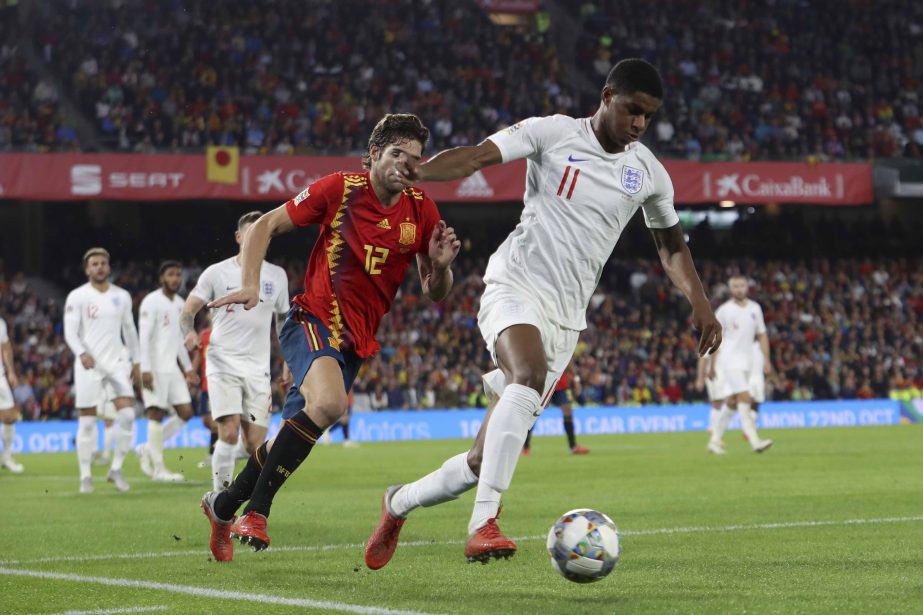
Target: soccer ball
x=584, y=545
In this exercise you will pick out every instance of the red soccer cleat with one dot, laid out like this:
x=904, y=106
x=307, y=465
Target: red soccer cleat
x=489, y=542
x=579, y=450
x=251, y=530
x=381, y=544
x=220, y=543
x=526, y=451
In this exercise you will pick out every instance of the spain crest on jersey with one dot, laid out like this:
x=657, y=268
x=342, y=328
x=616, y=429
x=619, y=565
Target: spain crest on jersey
x=632, y=179
x=408, y=233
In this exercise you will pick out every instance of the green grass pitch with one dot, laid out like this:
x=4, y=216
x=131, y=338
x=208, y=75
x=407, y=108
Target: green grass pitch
x=829, y=520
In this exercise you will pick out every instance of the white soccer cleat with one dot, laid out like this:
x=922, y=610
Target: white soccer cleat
x=115, y=477
x=86, y=485
x=762, y=446
x=12, y=466
x=716, y=448
x=144, y=458
x=166, y=476
x=350, y=444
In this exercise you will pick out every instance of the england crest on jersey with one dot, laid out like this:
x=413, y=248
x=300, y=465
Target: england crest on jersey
x=268, y=288
x=632, y=179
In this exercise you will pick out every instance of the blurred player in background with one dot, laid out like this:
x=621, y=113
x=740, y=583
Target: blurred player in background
x=372, y=228
x=100, y=330
x=199, y=363
x=585, y=179
x=239, y=384
x=107, y=413
x=9, y=413
x=563, y=397
x=742, y=322
x=165, y=387
x=707, y=379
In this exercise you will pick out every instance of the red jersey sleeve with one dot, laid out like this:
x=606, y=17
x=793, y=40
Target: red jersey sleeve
x=317, y=203
x=431, y=218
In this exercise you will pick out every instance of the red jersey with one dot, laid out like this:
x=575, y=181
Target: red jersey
x=563, y=383
x=203, y=346
x=362, y=254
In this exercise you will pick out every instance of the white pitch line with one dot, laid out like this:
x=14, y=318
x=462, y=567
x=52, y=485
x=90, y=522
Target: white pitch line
x=434, y=543
x=205, y=592
x=131, y=609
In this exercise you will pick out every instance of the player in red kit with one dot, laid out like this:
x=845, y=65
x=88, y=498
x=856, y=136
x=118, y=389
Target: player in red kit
x=563, y=397
x=372, y=227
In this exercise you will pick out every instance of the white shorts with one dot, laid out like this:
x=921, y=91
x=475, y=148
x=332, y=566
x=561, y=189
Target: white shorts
x=503, y=307
x=249, y=397
x=757, y=386
x=713, y=387
x=170, y=390
x=734, y=381
x=95, y=386
x=7, y=401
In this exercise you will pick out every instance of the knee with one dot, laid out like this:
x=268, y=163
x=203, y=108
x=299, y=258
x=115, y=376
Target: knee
x=328, y=409
x=530, y=375
x=475, y=455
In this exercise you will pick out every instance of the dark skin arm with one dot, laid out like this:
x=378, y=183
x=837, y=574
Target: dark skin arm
x=456, y=163
x=677, y=262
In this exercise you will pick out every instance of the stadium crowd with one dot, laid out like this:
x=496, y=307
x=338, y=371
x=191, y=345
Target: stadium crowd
x=787, y=79
x=849, y=328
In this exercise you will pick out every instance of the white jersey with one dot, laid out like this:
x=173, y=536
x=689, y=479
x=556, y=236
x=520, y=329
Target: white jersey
x=740, y=324
x=240, y=338
x=578, y=199
x=4, y=338
x=101, y=324
x=756, y=365
x=161, y=337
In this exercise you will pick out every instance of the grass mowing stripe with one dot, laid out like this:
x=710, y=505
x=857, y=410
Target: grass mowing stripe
x=205, y=592
x=130, y=609
x=424, y=543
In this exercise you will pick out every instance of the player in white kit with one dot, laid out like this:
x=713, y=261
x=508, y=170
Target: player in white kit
x=707, y=380
x=164, y=385
x=237, y=365
x=586, y=178
x=742, y=322
x=100, y=330
x=8, y=411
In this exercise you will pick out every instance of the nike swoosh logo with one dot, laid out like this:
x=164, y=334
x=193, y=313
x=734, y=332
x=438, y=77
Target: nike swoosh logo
x=572, y=159
x=230, y=288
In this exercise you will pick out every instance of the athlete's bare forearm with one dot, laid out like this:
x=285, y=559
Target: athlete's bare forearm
x=459, y=162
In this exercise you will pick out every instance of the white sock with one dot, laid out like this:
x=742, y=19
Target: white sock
x=9, y=432
x=223, y=465
x=108, y=437
x=509, y=423
x=124, y=434
x=155, y=443
x=713, y=419
x=747, y=424
x=171, y=427
x=451, y=480
x=721, y=425
x=87, y=435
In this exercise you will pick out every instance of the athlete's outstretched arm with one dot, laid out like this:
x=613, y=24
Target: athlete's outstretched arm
x=252, y=252
x=456, y=163
x=436, y=266
x=677, y=262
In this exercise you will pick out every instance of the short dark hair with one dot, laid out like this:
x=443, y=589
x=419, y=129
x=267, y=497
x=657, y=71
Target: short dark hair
x=96, y=251
x=394, y=128
x=164, y=266
x=249, y=218
x=635, y=75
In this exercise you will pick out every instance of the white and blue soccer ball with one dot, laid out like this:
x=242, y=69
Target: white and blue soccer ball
x=584, y=545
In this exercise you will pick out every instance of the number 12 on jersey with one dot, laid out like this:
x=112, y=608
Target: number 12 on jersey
x=375, y=257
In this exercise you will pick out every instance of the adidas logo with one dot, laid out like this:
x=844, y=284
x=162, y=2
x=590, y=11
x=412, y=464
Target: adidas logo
x=384, y=224
x=476, y=185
